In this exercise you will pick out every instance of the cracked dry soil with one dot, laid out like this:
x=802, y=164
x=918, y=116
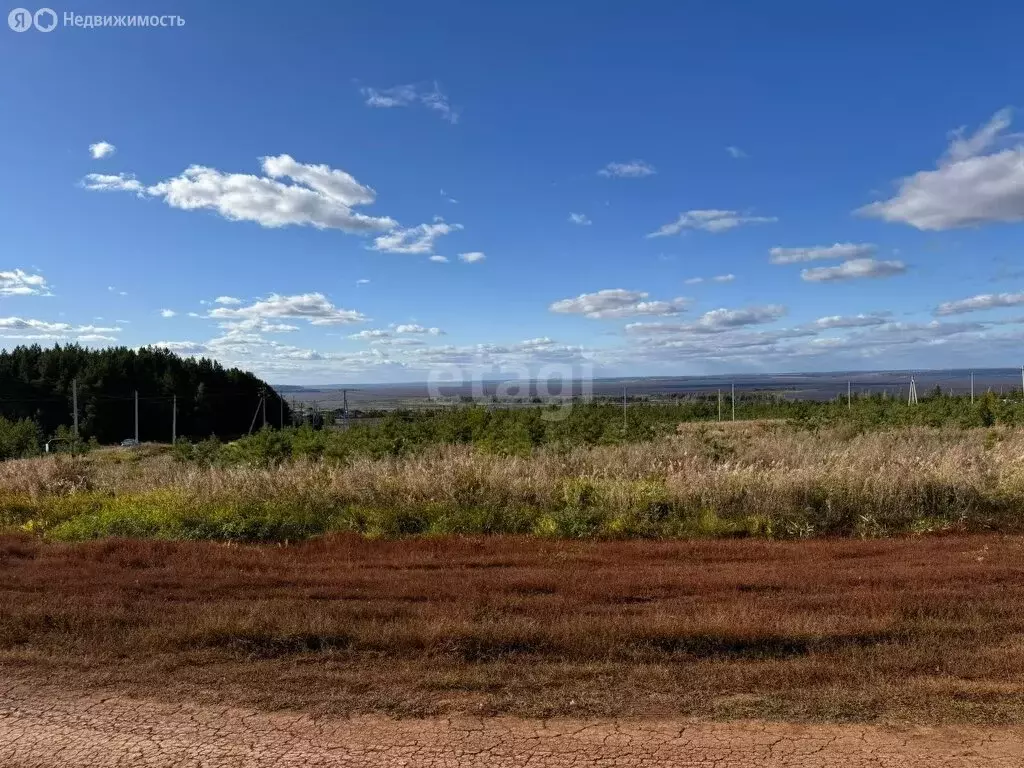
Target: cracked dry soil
x=42, y=729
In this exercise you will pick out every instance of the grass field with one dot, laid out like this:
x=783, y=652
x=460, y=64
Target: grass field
x=925, y=629
x=753, y=479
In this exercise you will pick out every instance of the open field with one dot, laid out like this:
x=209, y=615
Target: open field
x=755, y=479
x=923, y=630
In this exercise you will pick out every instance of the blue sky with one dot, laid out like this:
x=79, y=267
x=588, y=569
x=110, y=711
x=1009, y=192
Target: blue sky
x=851, y=174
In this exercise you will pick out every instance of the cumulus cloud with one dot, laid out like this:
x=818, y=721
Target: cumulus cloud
x=182, y=347
x=852, y=321
x=101, y=149
x=632, y=169
x=370, y=334
x=439, y=259
x=103, y=182
x=820, y=252
x=580, y=218
x=418, y=239
x=472, y=257
x=227, y=301
x=318, y=196
x=28, y=329
x=709, y=220
x=618, y=302
x=980, y=302
x=17, y=282
x=167, y=313
x=412, y=95
x=854, y=270
x=418, y=329
x=975, y=183
x=714, y=322
x=311, y=307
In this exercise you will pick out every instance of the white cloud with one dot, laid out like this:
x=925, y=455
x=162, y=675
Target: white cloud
x=472, y=257
x=23, y=324
x=852, y=321
x=362, y=281
x=17, y=282
x=736, y=153
x=716, y=279
x=27, y=329
x=418, y=239
x=411, y=95
x=714, y=322
x=194, y=314
x=633, y=169
x=853, y=270
x=103, y=182
x=968, y=187
x=418, y=329
x=312, y=307
x=819, y=252
x=369, y=334
x=320, y=196
x=439, y=259
x=722, y=318
x=101, y=149
x=183, y=347
x=167, y=313
x=710, y=220
x=580, y=218
x=618, y=302
x=980, y=302
x=227, y=301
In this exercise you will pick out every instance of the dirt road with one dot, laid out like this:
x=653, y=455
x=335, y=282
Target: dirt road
x=43, y=729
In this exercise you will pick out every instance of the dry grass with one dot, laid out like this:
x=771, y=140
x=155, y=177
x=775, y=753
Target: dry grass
x=763, y=479
x=925, y=629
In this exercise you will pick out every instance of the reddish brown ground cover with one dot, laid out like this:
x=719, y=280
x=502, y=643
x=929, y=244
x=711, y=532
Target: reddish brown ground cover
x=924, y=629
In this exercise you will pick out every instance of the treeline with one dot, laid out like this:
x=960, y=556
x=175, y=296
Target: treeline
x=36, y=388
x=517, y=431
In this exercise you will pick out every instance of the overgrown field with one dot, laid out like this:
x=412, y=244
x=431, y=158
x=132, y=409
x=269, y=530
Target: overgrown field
x=915, y=629
x=759, y=479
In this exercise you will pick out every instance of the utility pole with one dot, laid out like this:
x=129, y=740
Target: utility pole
x=912, y=398
x=74, y=401
x=136, y=416
x=344, y=408
x=849, y=397
x=734, y=401
x=174, y=420
x=263, y=405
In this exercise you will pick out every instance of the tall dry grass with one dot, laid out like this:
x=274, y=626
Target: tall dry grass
x=764, y=479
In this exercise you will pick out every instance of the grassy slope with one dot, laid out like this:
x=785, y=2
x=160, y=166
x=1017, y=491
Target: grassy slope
x=762, y=479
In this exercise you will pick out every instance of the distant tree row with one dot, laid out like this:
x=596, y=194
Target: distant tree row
x=36, y=384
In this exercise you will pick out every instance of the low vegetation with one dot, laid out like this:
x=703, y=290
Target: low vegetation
x=914, y=629
x=748, y=479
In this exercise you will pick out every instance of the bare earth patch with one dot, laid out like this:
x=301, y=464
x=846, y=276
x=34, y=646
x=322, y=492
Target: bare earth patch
x=40, y=729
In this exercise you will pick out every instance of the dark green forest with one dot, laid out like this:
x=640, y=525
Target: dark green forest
x=36, y=386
